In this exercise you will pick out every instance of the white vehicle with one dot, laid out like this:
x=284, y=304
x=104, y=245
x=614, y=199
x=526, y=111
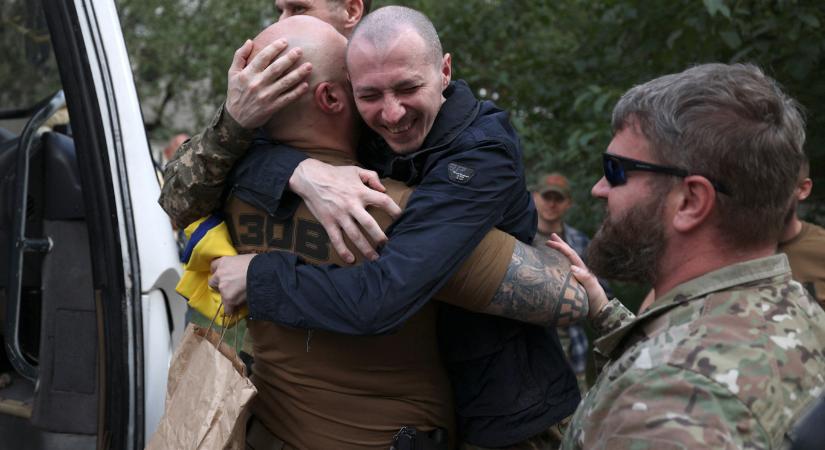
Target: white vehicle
x=88, y=260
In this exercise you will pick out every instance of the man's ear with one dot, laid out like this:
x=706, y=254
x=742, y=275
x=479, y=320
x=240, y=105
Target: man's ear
x=695, y=202
x=446, y=71
x=354, y=10
x=803, y=189
x=329, y=97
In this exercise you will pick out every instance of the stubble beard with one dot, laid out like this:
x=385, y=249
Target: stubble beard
x=629, y=247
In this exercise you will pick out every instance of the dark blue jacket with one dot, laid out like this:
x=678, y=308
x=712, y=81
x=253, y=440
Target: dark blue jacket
x=511, y=380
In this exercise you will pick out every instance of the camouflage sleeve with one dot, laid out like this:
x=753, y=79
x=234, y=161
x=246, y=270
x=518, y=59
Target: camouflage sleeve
x=666, y=407
x=612, y=316
x=193, y=180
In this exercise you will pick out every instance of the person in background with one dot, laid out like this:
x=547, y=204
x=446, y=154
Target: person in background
x=553, y=199
x=804, y=242
x=166, y=155
x=172, y=146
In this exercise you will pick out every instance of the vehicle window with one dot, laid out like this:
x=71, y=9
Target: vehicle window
x=29, y=72
x=28, y=75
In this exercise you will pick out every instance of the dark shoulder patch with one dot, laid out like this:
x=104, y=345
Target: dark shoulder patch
x=460, y=174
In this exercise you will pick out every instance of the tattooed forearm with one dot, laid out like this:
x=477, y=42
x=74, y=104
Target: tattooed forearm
x=539, y=288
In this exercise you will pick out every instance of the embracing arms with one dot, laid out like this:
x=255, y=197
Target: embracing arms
x=532, y=285
x=441, y=226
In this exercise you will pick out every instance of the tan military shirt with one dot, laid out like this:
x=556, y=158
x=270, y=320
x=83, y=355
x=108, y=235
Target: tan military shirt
x=806, y=254
x=727, y=360
x=320, y=390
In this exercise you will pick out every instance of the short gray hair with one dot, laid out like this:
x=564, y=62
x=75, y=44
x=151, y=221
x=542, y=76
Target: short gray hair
x=732, y=124
x=379, y=26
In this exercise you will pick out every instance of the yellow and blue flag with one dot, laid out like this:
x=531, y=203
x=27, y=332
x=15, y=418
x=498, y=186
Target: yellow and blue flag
x=208, y=238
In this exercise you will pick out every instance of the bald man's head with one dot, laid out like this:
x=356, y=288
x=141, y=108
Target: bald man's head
x=324, y=117
x=322, y=46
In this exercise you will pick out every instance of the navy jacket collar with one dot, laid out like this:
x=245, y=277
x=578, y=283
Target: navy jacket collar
x=457, y=113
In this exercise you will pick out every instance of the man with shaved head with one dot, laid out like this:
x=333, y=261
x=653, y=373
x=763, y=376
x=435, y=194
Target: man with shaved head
x=326, y=390
x=399, y=73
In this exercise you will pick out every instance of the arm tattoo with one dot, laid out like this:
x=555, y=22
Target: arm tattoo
x=539, y=288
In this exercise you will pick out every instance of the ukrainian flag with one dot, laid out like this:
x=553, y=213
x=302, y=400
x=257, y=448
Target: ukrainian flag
x=208, y=238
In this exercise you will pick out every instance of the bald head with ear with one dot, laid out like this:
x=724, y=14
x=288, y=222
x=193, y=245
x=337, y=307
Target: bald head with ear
x=321, y=44
x=325, y=115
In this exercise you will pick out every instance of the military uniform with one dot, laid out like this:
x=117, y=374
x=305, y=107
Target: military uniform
x=195, y=177
x=727, y=360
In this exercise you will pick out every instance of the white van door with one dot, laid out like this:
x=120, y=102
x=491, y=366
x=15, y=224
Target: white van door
x=89, y=260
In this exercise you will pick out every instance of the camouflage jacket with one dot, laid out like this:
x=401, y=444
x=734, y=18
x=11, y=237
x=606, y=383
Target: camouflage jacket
x=193, y=180
x=727, y=360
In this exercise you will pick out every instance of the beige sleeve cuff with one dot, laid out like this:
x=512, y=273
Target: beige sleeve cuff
x=478, y=279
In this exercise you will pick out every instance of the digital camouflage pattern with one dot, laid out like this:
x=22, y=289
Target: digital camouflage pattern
x=194, y=178
x=728, y=360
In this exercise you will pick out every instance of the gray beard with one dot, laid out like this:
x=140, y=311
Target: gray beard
x=630, y=247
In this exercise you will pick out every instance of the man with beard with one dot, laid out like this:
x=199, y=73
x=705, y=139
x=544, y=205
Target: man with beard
x=697, y=181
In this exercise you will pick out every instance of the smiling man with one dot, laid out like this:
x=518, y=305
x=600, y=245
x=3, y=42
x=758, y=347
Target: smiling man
x=511, y=381
x=322, y=390
x=398, y=83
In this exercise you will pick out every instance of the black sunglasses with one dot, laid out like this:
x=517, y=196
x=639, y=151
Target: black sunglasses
x=616, y=167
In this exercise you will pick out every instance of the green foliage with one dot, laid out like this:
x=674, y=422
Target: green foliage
x=181, y=50
x=558, y=66
x=28, y=72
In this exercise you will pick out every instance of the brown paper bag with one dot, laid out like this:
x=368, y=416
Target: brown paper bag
x=207, y=396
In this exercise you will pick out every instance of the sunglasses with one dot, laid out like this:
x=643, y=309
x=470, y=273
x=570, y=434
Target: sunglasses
x=616, y=167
